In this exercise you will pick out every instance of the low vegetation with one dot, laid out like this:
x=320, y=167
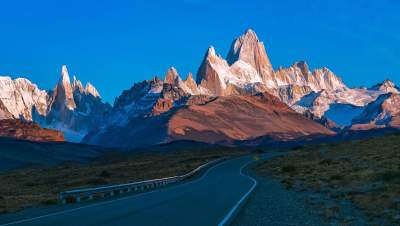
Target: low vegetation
x=365, y=172
x=40, y=186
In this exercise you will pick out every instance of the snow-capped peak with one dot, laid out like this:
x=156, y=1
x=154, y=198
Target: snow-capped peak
x=77, y=84
x=250, y=50
x=190, y=85
x=303, y=66
x=243, y=47
x=386, y=86
x=210, y=51
x=171, y=75
x=64, y=79
x=90, y=89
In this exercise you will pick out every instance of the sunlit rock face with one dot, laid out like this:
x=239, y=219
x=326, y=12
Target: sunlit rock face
x=19, y=96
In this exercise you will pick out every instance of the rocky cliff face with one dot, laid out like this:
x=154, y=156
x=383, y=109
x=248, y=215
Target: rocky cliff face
x=19, y=96
x=211, y=73
x=26, y=130
x=63, y=94
x=248, y=49
x=4, y=113
x=191, y=85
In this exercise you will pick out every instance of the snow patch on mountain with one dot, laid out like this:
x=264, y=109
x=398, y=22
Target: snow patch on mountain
x=342, y=114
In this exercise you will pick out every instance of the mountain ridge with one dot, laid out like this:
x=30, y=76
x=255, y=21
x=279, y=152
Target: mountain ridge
x=246, y=72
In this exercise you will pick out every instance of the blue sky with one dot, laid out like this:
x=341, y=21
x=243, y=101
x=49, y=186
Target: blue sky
x=116, y=43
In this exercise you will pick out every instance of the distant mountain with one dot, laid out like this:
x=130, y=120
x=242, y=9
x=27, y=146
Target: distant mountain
x=231, y=99
x=383, y=112
x=386, y=86
x=248, y=69
x=223, y=104
x=69, y=107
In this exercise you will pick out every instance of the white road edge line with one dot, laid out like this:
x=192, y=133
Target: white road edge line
x=241, y=200
x=114, y=200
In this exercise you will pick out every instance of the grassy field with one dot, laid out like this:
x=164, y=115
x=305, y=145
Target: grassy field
x=40, y=186
x=365, y=172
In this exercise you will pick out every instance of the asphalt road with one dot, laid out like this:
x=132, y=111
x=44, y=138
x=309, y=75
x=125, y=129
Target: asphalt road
x=208, y=200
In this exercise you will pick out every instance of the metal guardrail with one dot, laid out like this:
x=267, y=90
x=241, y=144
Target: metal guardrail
x=111, y=190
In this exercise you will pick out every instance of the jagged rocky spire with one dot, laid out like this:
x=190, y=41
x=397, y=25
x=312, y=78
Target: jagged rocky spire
x=63, y=92
x=90, y=89
x=208, y=76
x=248, y=48
x=77, y=85
x=171, y=76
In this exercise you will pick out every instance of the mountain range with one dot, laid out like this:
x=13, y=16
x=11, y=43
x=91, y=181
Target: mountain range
x=240, y=97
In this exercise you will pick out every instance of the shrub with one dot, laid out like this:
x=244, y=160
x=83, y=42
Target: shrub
x=288, y=183
x=325, y=162
x=336, y=177
x=298, y=147
x=288, y=169
x=50, y=202
x=258, y=151
x=105, y=173
x=390, y=176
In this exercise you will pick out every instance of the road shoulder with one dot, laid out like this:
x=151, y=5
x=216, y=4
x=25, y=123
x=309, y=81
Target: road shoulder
x=271, y=204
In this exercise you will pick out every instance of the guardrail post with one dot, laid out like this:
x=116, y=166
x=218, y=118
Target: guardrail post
x=78, y=199
x=111, y=193
x=90, y=197
x=62, y=199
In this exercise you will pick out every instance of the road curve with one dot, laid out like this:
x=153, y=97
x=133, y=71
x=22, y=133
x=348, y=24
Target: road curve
x=209, y=200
